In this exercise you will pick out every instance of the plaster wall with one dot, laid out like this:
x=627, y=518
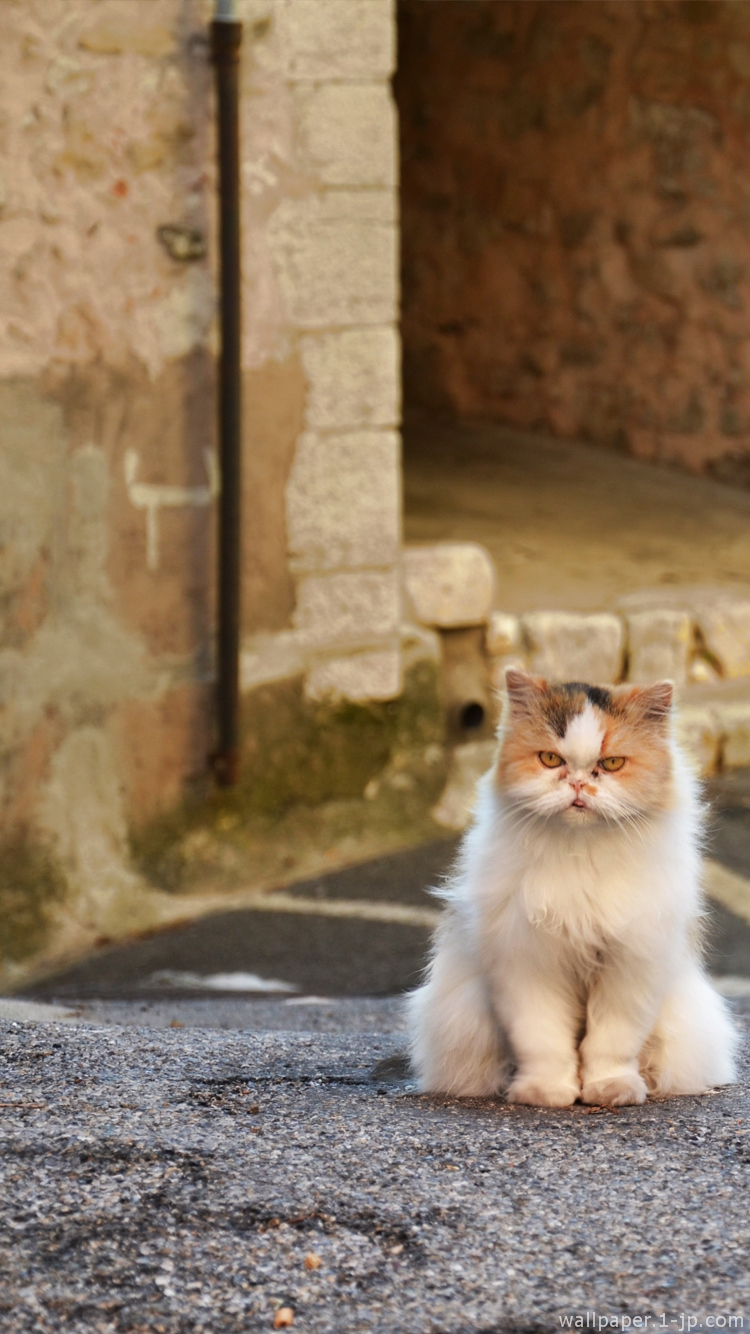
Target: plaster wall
x=107, y=408
x=576, y=220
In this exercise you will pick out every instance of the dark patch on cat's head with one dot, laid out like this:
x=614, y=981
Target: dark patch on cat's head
x=557, y=702
x=564, y=701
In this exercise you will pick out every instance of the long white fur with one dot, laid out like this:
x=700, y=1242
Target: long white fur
x=568, y=964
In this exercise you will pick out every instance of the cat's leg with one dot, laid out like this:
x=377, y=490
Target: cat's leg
x=622, y=1007
x=541, y=1012
x=455, y=1043
x=693, y=1044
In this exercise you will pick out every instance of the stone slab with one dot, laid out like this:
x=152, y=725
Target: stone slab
x=352, y=609
x=725, y=627
x=503, y=634
x=349, y=133
x=336, y=256
x=733, y=718
x=353, y=378
x=659, y=642
x=570, y=646
x=343, y=500
x=325, y=40
x=713, y=720
x=358, y=676
x=698, y=733
x=450, y=584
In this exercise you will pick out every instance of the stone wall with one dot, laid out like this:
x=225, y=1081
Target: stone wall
x=107, y=408
x=576, y=220
x=324, y=272
x=696, y=637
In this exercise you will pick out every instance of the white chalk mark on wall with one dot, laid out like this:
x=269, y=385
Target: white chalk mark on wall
x=153, y=496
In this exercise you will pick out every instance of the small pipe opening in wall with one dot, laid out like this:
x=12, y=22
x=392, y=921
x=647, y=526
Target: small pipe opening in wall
x=471, y=715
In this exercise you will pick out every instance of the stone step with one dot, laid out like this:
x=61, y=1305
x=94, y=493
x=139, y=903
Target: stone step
x=696, y=636
x=713, y=724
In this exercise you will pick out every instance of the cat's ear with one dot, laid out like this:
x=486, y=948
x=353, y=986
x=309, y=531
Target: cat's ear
x=653, y=702
x=524, y=691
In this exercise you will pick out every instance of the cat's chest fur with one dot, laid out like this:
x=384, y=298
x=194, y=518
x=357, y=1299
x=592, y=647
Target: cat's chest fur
x=591, y=888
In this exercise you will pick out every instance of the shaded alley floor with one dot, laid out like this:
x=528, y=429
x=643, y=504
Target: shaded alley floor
x=569, y=526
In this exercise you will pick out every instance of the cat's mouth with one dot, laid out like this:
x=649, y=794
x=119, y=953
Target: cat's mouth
x=579, y=804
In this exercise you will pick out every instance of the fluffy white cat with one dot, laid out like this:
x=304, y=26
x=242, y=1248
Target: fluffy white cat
x=568, y=964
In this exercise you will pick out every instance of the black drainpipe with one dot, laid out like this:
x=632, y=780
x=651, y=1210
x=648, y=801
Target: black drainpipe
x=226, y=33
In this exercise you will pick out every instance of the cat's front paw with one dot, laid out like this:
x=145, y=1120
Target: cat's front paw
x=535, y=1093
x=617, y=1091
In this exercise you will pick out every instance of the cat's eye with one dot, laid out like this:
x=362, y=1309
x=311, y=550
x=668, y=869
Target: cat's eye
x=550, y=760
x=611, y=763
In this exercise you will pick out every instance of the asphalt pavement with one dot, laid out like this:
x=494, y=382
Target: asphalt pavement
x=201, y=1181
x=305, y=951
x=177, y=1158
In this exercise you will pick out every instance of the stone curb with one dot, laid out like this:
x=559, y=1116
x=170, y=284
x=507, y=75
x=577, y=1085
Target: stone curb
x=697, y=637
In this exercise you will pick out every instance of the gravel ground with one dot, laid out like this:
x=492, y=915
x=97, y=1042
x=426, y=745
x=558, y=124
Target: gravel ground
x=340, y=1014
x=199, y=1180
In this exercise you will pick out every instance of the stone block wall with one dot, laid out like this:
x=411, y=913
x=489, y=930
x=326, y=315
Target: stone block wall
x=107, y=399
x=576, y=220
x=332, y=260
x=696, y=637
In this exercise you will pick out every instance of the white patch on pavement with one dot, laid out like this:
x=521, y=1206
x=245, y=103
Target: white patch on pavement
x=171, y=978
x=732, y=985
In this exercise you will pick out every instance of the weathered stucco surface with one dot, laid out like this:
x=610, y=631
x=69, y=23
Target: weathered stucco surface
x=576, y=219
x=108, y=468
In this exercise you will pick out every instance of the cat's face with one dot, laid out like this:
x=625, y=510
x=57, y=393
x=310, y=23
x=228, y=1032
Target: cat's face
x=584, y=753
